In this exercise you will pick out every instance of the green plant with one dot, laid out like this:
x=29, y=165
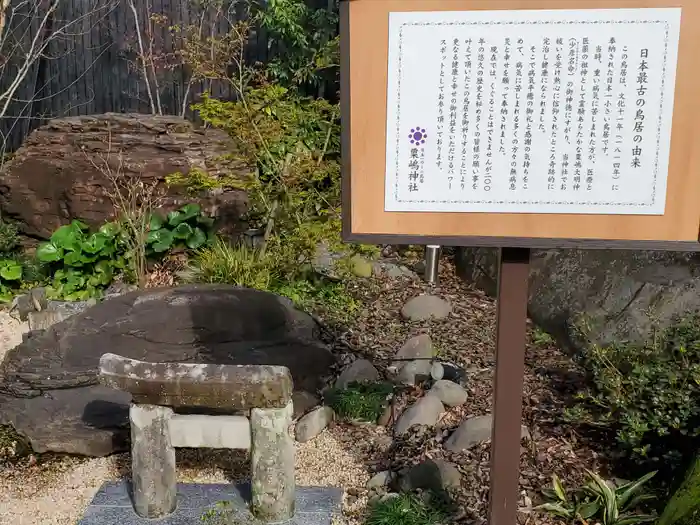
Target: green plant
x=599, y=499
x=9, y=238
x=684, y=506
x=360, y=401
x=197, y=180
x=222, y=262
x=186, y=227
x=406, y=509
x=303, y=41
x=541, y=338
x=10, y=278
x=83, y=263
x=647, y=395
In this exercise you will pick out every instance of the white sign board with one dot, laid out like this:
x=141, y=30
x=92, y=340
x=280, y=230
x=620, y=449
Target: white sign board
x=551, y=111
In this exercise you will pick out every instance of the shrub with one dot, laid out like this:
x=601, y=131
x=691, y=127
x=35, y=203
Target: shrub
x=360, y=401
x=9, y=239
x=10, y=278
x=647, y=395
x=599, y=500
x=83, y=263
x=187, y=227
x=406, y=509
x=228, y=264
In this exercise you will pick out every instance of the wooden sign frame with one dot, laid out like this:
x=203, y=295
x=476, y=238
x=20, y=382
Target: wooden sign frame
x=364, y=77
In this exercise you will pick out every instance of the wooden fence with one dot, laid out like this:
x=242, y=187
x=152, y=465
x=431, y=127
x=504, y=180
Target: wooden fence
x=92, y=67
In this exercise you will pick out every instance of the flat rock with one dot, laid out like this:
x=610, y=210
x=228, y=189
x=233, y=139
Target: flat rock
x=49, y=389
x=424, y=307
x=380, y=480
x=418, y=347
x=451, y=394
x=426, y=411
x=433, y=474
x=414, y=372
x=473, y=431
x=312, y=424
x=359, y=371
x=112, y=506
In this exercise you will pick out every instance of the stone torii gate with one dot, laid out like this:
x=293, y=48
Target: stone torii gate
x=259, y=399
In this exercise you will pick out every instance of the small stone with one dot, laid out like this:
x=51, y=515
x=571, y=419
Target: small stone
x=426, y=411
x=313, y=423
x=414, y=373
x=437, y=371
x=451, y=394
x=360, y=266
x=380, y=480
x=434, y=474
x=424, y=307
x=473, y=431
x=303, y=402
x=418, y=347
x=389, y=496
x=359, y=371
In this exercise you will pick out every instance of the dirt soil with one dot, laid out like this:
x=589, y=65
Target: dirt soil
x=52, y=490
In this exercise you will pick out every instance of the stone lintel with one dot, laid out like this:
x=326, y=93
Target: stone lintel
x=235, y=387
x=202, y=431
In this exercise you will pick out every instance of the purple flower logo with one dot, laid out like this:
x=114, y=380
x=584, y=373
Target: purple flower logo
x=418, y=136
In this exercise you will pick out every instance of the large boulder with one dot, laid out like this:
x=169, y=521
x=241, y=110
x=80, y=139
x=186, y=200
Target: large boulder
x=63, y=170
x=601, y=296
x=48, y=385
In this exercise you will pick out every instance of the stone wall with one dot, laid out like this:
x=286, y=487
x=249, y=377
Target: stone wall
x=57, y=175
x=613, y=295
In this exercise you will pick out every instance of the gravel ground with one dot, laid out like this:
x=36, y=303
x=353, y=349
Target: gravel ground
x=57, y=490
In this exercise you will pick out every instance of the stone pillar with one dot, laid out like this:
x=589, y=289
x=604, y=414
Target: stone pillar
x=152, y=461
x=272, y=459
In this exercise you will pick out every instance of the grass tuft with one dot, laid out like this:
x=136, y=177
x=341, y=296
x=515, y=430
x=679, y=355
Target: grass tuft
x=406, y=509
x=360, y=401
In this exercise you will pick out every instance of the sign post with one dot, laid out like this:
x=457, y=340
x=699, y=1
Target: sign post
x=520, y=124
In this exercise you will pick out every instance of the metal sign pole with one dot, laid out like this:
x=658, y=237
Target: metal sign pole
x=511, y=325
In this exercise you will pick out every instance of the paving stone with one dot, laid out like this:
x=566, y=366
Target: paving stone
x=112, y=505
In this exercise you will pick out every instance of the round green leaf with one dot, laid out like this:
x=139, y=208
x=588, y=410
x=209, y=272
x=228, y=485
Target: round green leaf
x=160, y=247
x=67, y=237
x=161, y=240
x=94, y=244
x=183, y=231
x=49, y=252
x=189, y=211
x=110, y=229
x=197, y=239
x=10, y=270
x=175, y=218
x=156, y=222
x=73, y=259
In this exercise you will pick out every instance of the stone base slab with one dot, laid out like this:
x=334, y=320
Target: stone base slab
x=112, y=506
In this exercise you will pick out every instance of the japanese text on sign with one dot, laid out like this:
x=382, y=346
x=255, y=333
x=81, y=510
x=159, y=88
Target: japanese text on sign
x=531, y=111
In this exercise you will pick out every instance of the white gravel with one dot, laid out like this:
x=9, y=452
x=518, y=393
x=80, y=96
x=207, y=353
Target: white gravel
x=58, y=493
x=11, y=331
